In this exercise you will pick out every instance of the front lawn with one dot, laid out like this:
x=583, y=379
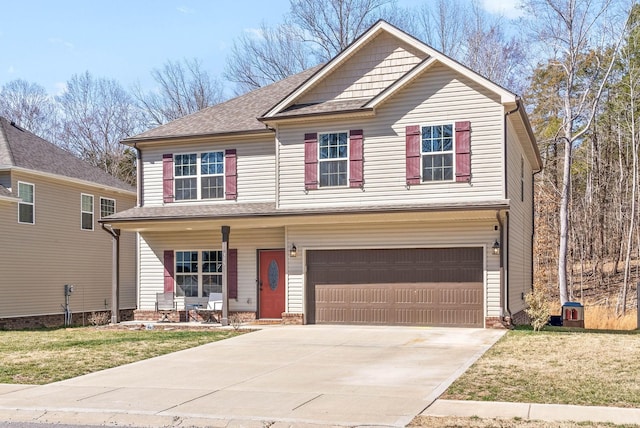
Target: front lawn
x=588, y=368
x=44, y=356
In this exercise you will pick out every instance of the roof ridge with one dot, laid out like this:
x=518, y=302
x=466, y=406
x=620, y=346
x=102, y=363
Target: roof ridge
x=6, y=156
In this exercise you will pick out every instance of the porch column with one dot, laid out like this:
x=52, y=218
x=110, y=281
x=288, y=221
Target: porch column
x=115, y=273
x=225, y=274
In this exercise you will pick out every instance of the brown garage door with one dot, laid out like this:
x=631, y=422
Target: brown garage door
x=424, y=286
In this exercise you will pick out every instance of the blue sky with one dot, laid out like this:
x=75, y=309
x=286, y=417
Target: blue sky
x=47, y=41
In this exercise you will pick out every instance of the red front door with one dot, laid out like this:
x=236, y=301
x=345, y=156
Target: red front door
x=271, y=283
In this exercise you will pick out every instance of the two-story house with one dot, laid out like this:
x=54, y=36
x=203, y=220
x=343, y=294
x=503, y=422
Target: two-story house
x=391, y=185
x=50, y=238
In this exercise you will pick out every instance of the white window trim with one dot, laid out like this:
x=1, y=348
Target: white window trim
x=452, y=152
x=199, y=176
x=82, y=211
x=199, y=274
x=33, y=204
x=107, y=199
x=347, y=159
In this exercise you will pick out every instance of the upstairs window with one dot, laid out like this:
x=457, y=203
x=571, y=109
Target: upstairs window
x=86, y=212
x=437, y=153
x=334, y=159
x=27, y=204
x=107, y=207
x=205, y=169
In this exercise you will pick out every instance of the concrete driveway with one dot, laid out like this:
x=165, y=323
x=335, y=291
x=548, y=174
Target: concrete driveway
x=290, y=375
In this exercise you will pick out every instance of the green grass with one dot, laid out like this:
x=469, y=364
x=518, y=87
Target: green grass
x=556, y=366
x=45, y=356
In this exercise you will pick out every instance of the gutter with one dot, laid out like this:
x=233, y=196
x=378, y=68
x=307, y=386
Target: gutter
x=169, y=138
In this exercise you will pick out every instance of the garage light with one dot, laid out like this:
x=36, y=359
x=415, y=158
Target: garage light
x=293, y=252
x=496, y=248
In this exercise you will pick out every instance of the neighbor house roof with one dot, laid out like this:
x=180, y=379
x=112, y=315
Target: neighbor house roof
x=238, y=115
x=20, y=148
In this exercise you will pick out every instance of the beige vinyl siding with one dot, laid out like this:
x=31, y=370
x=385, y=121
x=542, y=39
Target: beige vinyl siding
x=255, y=169
x=393, y=234
x=37, y=260
x=370, y=70
x=450, y=97
x=246, y=241
x=520, y=225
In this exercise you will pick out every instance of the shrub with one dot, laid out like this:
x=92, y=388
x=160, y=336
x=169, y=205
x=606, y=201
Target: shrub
x=538, y=310
x=100, y=318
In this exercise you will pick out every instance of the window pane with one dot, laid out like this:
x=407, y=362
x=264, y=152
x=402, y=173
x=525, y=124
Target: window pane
x=107, y=207
x=186, y=261
x=25, y=213
x=87, y=221
x=185, y=165
x=212, y=163
x=25, y=192
x=437, y=167
x=186, y=189
x=211, y=284
x=87, y=203
x=187, y=285
x=333, y=146
x=213, y=187
x=212, y=261
x=333, y=173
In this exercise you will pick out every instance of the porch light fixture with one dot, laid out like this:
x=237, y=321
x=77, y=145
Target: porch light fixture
x=293, y=252
x=495, y=248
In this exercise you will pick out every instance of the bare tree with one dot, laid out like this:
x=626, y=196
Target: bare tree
x=566, y=29
x=443, y=25
x=314, y=31
x=182, y=88
x=29, y=105
x=330, y=26
x=96, y=114
x=270, y=55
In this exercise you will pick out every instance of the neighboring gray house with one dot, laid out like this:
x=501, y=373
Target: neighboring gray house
x=391, y=185
x=50, y=204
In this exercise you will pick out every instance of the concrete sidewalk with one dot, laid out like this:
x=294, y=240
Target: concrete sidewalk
x=533, y=411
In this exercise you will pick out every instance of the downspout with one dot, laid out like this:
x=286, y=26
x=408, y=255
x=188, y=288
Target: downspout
x=503, y=283
x=139, y=182
x=115, y=273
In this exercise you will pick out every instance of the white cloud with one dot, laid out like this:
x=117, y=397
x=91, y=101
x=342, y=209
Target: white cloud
x=186, y=10
x=508, y=8
x=60, y=87
x=254, y=33
x=61, y=42
x=11, y=69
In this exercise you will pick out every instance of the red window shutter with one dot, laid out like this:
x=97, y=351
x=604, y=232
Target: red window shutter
x=168, y=271
x=356, y=159
x=167, y=177
x=231, y=174
x=310, y=161
x=412, y=138
x=232, y=271
x=463, y=151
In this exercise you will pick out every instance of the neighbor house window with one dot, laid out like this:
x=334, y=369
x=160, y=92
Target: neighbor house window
x=206, y=168
x=437, y=153
x=86, y=212
x=107, y=207
x=27, y=203
x=198, y=273
x=334, y=159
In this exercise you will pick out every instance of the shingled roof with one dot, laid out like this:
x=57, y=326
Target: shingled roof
x=23, y=149
x=233, y=116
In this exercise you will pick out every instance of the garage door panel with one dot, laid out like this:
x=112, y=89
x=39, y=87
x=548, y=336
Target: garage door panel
x=434, y=286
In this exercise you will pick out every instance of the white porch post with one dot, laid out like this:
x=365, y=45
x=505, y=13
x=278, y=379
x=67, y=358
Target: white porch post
x=225, y=275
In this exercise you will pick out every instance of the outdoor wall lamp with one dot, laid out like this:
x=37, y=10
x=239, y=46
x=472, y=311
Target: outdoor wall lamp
x=293, y=252
x=495, y=248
